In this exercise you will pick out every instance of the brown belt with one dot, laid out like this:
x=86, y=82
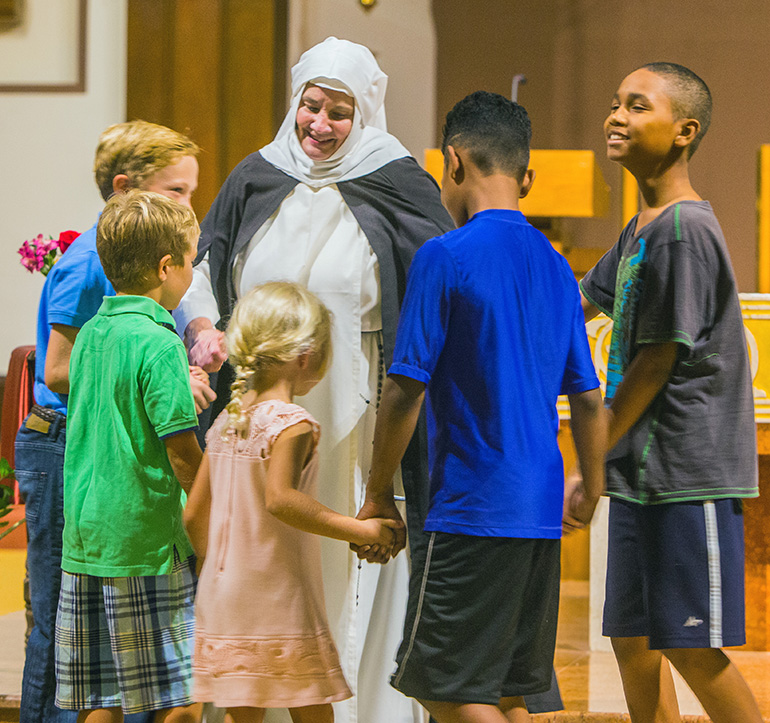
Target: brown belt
x=41, y=418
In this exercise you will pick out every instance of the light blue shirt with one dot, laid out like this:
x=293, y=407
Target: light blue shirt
x=72, y=294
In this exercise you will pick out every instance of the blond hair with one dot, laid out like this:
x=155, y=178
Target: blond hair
x=273, y=324
x=138, y=149
x=136, y=230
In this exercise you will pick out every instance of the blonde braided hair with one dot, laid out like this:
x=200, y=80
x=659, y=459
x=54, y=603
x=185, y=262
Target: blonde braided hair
x=273, y=324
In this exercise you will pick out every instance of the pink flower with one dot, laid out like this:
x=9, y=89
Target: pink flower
x=29, y=257
x=40, y=254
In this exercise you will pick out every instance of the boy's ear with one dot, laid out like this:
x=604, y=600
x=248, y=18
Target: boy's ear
x=163, y=265
x=454, y=166
x=688, y=131
x=120, y=183
x=526, y=183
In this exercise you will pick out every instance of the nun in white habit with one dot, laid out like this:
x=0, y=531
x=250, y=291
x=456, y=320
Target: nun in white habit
x=337, y=204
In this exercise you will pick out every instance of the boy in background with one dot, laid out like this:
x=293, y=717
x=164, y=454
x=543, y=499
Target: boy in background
x=124, y=625
x=491, y=330
x=682, y=434
x=137, y=154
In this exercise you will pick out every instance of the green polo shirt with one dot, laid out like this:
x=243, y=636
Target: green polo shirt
x=129, y=388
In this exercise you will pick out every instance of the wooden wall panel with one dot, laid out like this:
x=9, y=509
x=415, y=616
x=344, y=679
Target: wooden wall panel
x=150, y=45
x=254, y=96
x=214, y=69
x=197, y=88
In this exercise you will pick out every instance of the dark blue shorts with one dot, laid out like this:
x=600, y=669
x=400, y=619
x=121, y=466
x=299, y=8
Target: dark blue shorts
x=481, y=618
x=675, y=574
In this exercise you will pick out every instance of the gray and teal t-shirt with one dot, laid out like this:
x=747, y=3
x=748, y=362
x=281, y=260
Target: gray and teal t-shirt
x=672, y=281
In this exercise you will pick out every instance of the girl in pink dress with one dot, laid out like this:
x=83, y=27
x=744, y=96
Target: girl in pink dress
x=262, y=637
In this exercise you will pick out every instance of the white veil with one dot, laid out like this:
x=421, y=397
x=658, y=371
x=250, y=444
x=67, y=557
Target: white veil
x=349, y=67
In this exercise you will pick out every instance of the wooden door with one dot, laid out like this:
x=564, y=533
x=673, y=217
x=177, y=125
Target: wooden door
x=214, y=69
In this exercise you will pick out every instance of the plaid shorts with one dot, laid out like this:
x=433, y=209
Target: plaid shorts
x=126, y=641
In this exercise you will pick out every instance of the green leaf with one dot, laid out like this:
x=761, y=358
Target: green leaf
x=4, y=533
x=6, y=498
x=5, y=468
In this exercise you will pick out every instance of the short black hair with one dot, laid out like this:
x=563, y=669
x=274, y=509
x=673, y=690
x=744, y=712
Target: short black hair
x=496, y=131
x=689, y=94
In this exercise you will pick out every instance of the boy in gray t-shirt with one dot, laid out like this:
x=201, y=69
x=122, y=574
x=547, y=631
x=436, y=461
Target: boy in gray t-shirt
x=682, y=434
x=671, y=282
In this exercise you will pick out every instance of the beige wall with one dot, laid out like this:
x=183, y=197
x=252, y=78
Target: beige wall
x=574, y=54
x=400, y=33
x=47, y=144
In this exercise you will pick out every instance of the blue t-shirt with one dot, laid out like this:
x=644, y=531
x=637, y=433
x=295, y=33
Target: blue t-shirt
x=492, y=323
x=72, y=294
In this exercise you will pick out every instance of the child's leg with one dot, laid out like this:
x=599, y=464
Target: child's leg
x=445, y=712
x=647, y=682
x=313, y=714
x=244, y=715
x=101, y=715
x=180, y=714
x=717, y=683
x=515, y=709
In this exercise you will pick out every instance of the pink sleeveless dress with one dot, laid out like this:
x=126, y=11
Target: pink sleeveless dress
x=262, y=638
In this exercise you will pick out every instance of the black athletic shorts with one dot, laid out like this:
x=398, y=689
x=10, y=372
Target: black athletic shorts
x=481, y=618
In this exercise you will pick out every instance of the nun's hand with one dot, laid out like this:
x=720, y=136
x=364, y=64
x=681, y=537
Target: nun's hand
x=205, y=345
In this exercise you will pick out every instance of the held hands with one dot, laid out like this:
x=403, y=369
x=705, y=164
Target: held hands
x=379, y=532
x=578, y=505
x=205, y=345
x=203, y=394
x=386, y=515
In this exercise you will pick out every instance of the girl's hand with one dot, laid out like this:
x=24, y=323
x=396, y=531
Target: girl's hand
x=379, y=531
x=387, y=509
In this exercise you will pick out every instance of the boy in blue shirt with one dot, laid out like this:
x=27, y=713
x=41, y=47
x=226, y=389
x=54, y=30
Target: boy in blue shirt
x=491, y=331
x=682, y=434
x=136, y=154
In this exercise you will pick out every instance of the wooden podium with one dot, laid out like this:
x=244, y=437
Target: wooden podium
x=568, y=184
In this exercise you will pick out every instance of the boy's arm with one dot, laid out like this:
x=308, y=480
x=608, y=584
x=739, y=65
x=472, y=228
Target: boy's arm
x=198, y=510
x=397, y=418
x=589, y=432
x=646, y=375
x=589, y=310
x=57, y=358
x=184, y=454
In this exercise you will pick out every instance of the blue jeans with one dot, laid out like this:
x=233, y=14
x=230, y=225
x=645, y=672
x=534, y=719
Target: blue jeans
x=40, y=473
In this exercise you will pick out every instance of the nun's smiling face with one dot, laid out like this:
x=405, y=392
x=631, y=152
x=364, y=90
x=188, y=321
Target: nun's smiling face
x=324, y=120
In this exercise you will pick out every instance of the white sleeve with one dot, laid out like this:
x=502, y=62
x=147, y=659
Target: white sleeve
x=199, y=299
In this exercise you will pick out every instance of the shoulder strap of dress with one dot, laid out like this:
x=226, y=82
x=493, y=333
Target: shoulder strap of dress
x=287, y=415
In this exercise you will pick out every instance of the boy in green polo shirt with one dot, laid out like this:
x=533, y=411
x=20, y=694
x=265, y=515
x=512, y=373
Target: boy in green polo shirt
x=125, y=620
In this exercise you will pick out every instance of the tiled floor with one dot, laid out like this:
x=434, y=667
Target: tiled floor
x=12, y=626
x=589, y=681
